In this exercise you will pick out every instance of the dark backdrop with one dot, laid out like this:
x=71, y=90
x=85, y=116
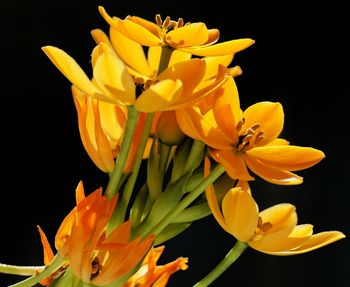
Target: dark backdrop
x=299, y=59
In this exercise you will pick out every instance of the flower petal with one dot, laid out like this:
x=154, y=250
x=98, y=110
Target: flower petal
x=212, y=199
x=48, y=253
x=234, y=165
x=240, y=213
x=159, y=96
x=314, y=242
x=194, y=34
x=186, y=125
x=269, y=115
x=70, y=69
x=131, y=52
x=100, y=37
x=110, y=72
x=224, y=48
x=212, y=64
x=271, y=174
x=287, y=157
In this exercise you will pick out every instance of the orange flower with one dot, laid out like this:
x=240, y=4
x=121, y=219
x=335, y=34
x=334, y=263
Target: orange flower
x=154, y=275
x=240, y=139
x=94, y=256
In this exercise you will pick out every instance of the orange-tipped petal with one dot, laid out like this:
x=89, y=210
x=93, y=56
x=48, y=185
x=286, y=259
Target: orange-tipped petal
x=48, y=253
x=79, y=192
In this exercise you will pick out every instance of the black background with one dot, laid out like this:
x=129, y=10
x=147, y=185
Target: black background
x=299, y=59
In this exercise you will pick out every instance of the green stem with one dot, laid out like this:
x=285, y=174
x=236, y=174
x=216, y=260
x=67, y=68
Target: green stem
x=20, y=270
x=117, y=172
x=231, y=257
x=127, y=192
x=214, y=175
x=55, y=264
x=164, y=58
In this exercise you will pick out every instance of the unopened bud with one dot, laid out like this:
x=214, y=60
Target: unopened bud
x=168, y=129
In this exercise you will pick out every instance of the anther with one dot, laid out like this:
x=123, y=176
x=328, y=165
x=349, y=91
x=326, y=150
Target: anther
x=259, y=137
x=159, y=20
x=166, y=22
x=240, y=124
x=180, y=23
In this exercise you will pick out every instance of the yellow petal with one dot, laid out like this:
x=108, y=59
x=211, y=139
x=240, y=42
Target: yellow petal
x=224, y=48
x=159, y=96
x=100, y=37
x=178, y=56
x=213, y=36
x=189, y=72
x=212, y=199
x=70, y=69
x=186, y=125
x=153, y=56
x=110, y=72
x=269, y=115
x=281, y=216
x=287, y=157
x=79, y=193
x=194, y=34
x=131, y=53
x=227, y=110
x=271, y=174
x=212, y=64
x=315, y=241
x=240, y=213
x=234, y=165
x=140, y=34
x=278, y=141
x=207, y=128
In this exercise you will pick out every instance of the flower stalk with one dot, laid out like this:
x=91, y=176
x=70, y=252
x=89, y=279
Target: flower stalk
x=20, y=270
x=228, y=260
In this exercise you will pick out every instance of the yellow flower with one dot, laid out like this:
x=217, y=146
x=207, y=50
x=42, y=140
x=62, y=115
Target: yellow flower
x=151, y=274
x=238, y=139
x=273, y=230
x=94, y=256
x=193, y=38
x=176, y=87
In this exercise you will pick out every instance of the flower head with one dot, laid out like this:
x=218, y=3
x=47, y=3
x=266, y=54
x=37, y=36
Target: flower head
x=193, y=38
x=250, y=138
x=273, y=230
x=95, y=256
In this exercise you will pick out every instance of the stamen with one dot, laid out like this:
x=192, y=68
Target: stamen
x=180, y=23
x=259, y=137
x=96, y=268
x=159, y=20
x=166, y=23
x=240, y=124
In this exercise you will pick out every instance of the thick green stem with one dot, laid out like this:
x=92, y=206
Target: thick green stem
x=231, y=257
x=20, y=270
x=214, y=175
x=164, y=58
x=55, y=264
x=127, y=192
x=117, y=172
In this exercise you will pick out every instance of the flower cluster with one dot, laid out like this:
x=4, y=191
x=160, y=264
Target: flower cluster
x=163, y=93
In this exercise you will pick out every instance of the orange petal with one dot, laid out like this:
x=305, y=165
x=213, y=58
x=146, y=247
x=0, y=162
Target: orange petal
x=48, y=253
x=287, y=157
x=186, y=125
x=234, y=165
x=271, y=174
x=269, y=115
x=79, y=192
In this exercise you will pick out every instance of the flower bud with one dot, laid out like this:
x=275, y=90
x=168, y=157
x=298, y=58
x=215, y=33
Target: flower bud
x=168, y=129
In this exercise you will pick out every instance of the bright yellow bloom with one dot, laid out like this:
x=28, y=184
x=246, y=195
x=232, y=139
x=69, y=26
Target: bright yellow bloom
x=273, y=230
x=240, y=139
x=193, y=38
x=176, y=87
x=94, y=256
x=151, y=274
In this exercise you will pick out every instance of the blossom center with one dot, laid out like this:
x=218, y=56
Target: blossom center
x=261, y=228
x=96, y=268
x=167, y=25
x=251, y=136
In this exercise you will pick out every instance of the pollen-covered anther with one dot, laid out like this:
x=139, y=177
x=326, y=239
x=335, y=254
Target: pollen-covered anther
x=259, y=137
x=95, y=268
x=180, y=23
x=261, y=228
x=159, y=20
x=240, y=124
